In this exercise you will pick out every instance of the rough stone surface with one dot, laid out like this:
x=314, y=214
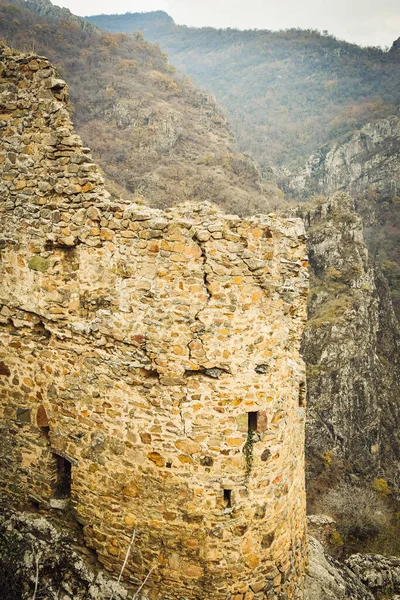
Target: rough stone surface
x=63, y=572
x=328, y=579
x=133, y=338
x=361, y=577
x=378, y=573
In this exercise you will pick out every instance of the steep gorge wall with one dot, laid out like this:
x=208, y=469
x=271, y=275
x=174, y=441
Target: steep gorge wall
x=351, y=347
x=150, y=374
x=366, y=164
x=367, y=157
x=352, y=342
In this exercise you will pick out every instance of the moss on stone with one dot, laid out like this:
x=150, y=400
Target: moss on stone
x=248, y=451
x=381, y=485
x=38, y=263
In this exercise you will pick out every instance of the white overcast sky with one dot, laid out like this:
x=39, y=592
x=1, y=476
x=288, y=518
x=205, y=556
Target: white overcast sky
x=365, y=22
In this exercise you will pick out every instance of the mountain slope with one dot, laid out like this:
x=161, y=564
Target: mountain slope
x=156, y=136
x=286, y=93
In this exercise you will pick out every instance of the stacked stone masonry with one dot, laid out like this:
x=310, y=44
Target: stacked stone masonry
x=150, y=374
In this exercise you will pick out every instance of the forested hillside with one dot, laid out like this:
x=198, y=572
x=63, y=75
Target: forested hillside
x=157, y=137
x=286, y=93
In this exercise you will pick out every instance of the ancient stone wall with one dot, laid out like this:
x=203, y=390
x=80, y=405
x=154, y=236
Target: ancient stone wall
x=150, y=375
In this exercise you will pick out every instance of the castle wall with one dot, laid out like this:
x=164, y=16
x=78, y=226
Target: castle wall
x=153, y=354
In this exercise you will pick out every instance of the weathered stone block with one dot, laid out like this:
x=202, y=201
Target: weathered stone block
x=4, y=370
x=24, y=415
x=41, y=417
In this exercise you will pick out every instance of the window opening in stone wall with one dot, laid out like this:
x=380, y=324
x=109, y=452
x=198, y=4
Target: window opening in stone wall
x=63, y=485
x=252, y=419
x=302, y=394
x=228, y=498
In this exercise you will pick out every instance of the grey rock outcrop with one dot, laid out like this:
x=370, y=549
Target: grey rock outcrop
x=327, y=579
x=51, y=12
x=361, y=577
x=378, y=573
x=39, y=550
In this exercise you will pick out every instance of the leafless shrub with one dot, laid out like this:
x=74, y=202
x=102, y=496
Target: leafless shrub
x=360, y=512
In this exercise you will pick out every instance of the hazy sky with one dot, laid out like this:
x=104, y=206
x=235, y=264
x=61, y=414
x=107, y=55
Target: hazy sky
x=365, y=22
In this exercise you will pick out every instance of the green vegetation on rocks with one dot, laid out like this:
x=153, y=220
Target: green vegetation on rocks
x=38, y=263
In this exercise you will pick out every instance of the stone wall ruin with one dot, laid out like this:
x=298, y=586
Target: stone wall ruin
x=150, y=375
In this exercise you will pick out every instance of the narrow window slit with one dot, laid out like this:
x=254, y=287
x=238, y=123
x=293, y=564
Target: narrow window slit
x=228, y=498
x=63, y=484
x=302, y=394
x=252, y=421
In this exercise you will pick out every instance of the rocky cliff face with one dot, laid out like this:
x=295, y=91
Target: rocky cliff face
x=370, y=156
x=365, y=163
x=360, y=577
x=351, y=347
x=328, y=579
